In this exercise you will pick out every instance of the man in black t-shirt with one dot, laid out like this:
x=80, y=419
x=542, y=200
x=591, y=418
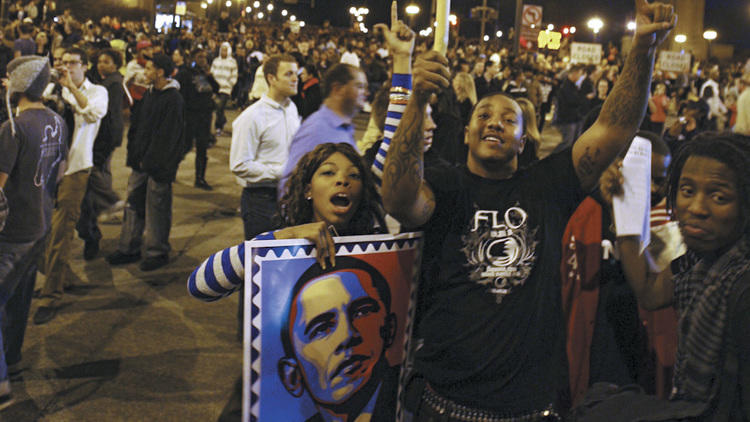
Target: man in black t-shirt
x=489, y=306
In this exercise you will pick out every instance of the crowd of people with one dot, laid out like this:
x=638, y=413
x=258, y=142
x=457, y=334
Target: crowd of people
x=452, y=148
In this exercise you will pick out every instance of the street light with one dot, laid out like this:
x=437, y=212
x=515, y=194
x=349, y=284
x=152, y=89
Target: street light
x=228, y=3
x=204, y=6
x=284, y=12
x=572, y=29
x=256, y=4
x=680, y=38
x=412, y=10
x=709, y=36
x=550, y=27
x=595, y=24
x=301, y=24
x=453, y=19
x=210, y=1
x=248, y=9
x=270, y=7
x=360, y=18
x=486, y=38
x=260, y=15
x=292, y=18
x=499, y=34
x=631, y=26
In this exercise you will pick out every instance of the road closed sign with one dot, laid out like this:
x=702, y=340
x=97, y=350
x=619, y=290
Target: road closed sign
x=674, y=61
x=586, y=53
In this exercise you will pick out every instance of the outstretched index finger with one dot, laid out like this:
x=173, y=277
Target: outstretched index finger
x=394, y=13
x=641, y=7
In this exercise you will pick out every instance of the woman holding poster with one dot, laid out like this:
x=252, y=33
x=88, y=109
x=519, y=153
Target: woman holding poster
x=333, y=329
x=331, y=192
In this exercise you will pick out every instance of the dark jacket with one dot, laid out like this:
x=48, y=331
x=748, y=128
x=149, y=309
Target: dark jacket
x=311, y=97
x=483, y=87
x=158, y=145
x=197, y=89
x=112, y=126
x=570, y=102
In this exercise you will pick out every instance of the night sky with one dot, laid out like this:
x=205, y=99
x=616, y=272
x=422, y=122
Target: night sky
x=729, y=17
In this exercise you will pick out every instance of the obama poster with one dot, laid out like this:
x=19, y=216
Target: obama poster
x=328, y=344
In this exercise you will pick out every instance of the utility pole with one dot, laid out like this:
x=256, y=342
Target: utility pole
x=517, y=31
x=485, y=14
x=484, y=18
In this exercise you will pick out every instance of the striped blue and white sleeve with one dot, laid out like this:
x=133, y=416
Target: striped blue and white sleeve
x=399, y=96
x=221, y=273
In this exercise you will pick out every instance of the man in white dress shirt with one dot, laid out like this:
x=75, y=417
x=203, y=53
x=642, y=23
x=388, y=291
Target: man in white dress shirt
x=261, y=136
x=260, y=144
x=89, y=104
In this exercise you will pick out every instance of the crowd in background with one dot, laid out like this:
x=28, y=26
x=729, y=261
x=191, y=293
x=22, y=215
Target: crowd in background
x=225, y=64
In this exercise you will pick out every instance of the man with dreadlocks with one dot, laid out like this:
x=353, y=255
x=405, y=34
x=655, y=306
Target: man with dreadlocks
x=709, y=195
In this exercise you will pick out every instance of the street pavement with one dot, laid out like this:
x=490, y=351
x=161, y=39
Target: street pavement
x=128, y=345
x=134, y=346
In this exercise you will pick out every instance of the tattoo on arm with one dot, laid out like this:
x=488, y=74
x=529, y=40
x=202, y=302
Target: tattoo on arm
x=426, y=206
x=588, y=164
x=626, y=105
x=404, y=166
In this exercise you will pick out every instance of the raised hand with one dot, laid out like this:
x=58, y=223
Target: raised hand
x=611, y=182
x=431, y=74
x=399, y=37
x=653, y=23
x=65, y=79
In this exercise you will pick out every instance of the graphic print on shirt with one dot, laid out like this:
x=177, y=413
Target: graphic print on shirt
x=500, y=249
x=49, y=155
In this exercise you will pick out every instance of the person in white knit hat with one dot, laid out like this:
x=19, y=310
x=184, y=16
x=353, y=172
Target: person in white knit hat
x=32, y=153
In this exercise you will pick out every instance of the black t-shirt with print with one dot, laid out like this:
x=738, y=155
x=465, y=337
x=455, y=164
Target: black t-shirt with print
x=31, y=158
x=490, y=307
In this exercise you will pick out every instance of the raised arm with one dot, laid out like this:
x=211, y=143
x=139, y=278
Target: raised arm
x=625, y=107
x=653, y=290
x=400, y=41
x=406, y=196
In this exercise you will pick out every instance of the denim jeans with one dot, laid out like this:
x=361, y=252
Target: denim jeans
x=258, y=206
x=98, y=198
x=15, y=259
x=149, y=209
x=198, y=127
x=221, y=104
x=569, y=132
